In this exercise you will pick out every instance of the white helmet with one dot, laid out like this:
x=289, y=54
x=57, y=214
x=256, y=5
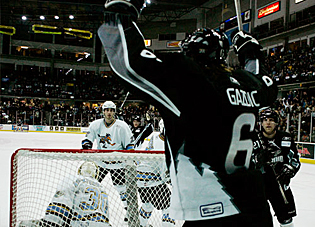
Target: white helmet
x=88, y=169
x=109, y=105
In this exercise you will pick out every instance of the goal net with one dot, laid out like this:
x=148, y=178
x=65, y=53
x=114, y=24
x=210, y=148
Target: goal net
x=74, y=187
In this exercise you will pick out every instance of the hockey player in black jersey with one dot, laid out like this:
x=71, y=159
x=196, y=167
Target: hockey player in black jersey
x=140, y=132
x=212, y=184
x=275, y=153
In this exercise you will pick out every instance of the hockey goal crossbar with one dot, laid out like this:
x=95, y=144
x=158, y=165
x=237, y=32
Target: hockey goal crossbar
x=58, y=150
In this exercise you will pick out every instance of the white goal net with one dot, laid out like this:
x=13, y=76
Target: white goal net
x=73, y=187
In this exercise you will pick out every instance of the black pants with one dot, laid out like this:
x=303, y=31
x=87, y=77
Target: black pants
x=283, y=210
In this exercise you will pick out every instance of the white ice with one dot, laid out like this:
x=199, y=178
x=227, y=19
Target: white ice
x=302, y=185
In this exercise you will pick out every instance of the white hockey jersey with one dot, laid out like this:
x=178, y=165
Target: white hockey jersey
x=152, y=173
x=116, y=136
x=82, y=201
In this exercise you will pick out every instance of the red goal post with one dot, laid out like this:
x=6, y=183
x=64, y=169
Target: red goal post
x=38, y=176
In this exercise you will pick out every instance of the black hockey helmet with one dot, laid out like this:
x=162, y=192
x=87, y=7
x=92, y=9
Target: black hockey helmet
x=269, y=113
x=136, y=117
x=206, y=45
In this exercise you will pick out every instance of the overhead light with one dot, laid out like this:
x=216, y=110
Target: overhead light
x=42, y=17
x=56, y=17
x=24, y=47
x=24, y=18
x=71, y=17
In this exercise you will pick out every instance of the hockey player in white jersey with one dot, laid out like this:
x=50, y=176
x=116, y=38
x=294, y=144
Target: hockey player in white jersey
x=152, y=178
x=79, y=200
x=110, y=134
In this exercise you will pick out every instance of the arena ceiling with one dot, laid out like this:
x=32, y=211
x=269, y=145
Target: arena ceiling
x=155, y=6
x=88, y=13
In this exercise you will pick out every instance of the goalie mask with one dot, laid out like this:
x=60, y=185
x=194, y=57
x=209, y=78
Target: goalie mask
x=88, y=169
x=206, y=45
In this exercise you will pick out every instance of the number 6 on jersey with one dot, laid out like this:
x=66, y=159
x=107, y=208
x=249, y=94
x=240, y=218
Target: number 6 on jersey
x=240, y=145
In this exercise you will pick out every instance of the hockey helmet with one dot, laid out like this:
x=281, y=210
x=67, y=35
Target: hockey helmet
x=109, y=105
x=88, y=169
x=269, y=113
x=136, y=118
x=206, y=45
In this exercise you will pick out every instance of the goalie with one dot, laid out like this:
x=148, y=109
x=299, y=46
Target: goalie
x=76, y=203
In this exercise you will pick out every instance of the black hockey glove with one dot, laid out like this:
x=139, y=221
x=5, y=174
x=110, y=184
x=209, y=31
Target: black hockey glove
x=247, y=47
x=131, y=7
x=240, y=39
x=262, y=158
x=286, y=174
x=87, y=144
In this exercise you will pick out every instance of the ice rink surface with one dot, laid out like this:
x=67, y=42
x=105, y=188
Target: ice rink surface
x=303, y=185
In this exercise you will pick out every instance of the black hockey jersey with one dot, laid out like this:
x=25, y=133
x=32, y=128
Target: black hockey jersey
x=140, y=133
x=282, y=150
x=203, y=149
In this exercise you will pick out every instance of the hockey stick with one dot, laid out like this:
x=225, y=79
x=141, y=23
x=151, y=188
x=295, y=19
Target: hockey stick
x=120, y=117
x=273, y=167
x=124, y=100
x=139, y=136
x=238, y=14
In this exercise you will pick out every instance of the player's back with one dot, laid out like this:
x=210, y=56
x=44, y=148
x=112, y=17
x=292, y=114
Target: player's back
x=210, y=140
x=218, y=108
x=198, y=141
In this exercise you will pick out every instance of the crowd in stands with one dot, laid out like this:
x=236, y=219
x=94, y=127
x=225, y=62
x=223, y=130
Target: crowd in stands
x=290, y=66
x=294, y=105
x=33, y=81
x=41, y=112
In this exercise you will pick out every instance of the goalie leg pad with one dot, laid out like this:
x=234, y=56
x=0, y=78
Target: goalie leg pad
x=145, y=213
